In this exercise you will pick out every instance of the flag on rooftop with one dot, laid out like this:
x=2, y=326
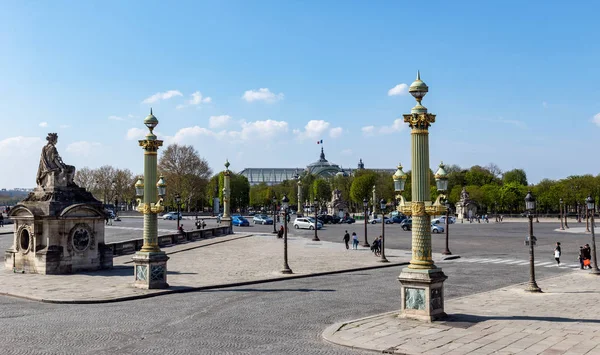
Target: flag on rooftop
x=320, y=142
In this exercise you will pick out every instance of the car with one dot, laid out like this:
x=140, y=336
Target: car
x=306, y=223
x=239, y=221
x=442, y=220
x=406, y=224
x=262, y=219
x=436, y=228
x=378, y=220
x=395, y=219
x=325, y=218
x=348, y=220
x=171, y=215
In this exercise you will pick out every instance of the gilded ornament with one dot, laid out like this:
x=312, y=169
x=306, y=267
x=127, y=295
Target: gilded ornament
x=418, y=209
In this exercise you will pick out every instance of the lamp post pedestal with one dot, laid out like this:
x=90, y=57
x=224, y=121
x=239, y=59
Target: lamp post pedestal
x=150, y=270
x=422, y=294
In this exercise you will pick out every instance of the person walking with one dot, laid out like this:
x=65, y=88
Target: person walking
x=1, y=220
x=354, y=241
x=280, y=232
x=557, y=253
x=347, y=240
x=587, y=256
x=581, y=257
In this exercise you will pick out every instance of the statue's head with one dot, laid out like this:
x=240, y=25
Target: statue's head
x=52, y=138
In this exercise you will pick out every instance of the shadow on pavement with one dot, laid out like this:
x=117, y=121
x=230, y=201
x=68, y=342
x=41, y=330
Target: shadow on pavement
x=269, y=290
x=467, y=320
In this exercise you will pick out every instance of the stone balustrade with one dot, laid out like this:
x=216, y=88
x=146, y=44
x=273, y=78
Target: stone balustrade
x=133, y=245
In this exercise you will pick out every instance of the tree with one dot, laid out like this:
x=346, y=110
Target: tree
x=321, y=190
x=185, y=171
x=362, y=187
x=516, y=175
x=479, y=176
x=84, y=177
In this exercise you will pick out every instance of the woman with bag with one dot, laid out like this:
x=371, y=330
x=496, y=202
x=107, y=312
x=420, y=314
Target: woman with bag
x=557, y=252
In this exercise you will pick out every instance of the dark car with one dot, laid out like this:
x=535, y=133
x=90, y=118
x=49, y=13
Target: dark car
x=325, y=218
x=406, y=224
x=348, y=220
x=395, y=219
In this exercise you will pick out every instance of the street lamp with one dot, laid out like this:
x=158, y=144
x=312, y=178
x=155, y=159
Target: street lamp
x=447, y=250
x=566, y=215
x=150, y=263
x=560, y=211
x=274, y=214
x=366, y=208
x=178, y=203
x=300, y=210
x=382, y=205
x=422, y=282
x=591, y=206
x=285, y=203
x=399, y=178
x=441, y=182
x=530, y=207
x=316, y=237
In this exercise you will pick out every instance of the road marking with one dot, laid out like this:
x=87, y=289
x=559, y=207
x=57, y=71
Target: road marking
x=542, y=264
x=515, y=262
x=502, y=262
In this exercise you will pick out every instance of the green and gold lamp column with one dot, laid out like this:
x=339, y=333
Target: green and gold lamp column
x=226, y=197
x=422, y=291
x=150, y=262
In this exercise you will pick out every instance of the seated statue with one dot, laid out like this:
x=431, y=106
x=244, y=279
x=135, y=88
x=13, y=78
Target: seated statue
x=51, y=165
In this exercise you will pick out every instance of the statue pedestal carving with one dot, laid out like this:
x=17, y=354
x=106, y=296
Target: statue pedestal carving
x=422, y=294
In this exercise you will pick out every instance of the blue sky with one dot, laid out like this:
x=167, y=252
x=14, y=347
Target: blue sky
x=514, y=83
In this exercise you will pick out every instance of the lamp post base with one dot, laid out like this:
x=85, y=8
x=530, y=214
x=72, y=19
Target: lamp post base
x=422, y=294
x=227, y=221
x=595, y=271
x=533, y=287
x=150, y=270
x=287, y=270
x=316, y=239
x=383, y=260
x=446, y=252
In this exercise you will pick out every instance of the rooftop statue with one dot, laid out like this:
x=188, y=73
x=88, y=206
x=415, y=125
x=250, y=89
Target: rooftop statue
x=52, y=170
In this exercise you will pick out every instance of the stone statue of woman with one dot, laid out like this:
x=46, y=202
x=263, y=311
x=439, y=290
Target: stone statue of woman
x=51, y=163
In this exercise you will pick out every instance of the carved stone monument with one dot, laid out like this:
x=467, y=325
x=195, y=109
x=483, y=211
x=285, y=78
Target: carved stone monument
x=337, y=206
x=59, y=227
x=465, y=207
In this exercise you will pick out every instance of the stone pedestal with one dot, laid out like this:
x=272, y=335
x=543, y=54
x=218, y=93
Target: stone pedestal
x=150, y=270
x=227, y=222
x=422, y=293
x=58, y=230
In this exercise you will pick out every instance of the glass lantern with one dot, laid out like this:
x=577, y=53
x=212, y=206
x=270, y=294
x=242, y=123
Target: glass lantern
x=161, y=186
x=529, y=202
x=139, y=188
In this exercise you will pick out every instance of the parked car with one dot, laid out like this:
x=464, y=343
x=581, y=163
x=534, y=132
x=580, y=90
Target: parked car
x=239, y=221
x=378, y=220
x=442, y=220
x=436, y=228
x=406, y=224
x=306, y=223
x=262, y=219
x=325, y=218
x=171, y=215
x=348, y=220
x=395, y=219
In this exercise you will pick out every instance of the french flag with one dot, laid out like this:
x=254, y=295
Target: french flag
x=320, y=142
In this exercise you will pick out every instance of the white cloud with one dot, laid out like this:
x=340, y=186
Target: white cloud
x=263, y=94
x=400, y=89
x=218, y=121
x=12, y=145
x=313, y=129
x=136, y=133
x=198, y=99
x=596, y=119
x=162, y=96
x=43, y=124
x=82, y=148
x=336, y=132
x=251, y=131
x=397, y=126
x=130, y=116
x=368, y=130
x=26, y=151
x=115, y=118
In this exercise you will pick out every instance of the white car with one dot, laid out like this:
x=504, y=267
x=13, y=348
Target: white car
x=436, y=228
x=306, y=223
x=442, y=220
x=171, y=215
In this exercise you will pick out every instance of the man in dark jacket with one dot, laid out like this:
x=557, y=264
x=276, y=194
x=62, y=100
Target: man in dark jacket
x=347, y=239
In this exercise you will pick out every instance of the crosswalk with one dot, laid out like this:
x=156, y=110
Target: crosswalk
x=141, y=229
x=514, y=262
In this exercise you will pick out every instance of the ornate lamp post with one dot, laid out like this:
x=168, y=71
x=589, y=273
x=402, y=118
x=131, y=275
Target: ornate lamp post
x=150, y=262
x=566, y=215
x=591, y=206
x=178, y=203
x=530, y=207
x=316, y=237
x=374, y=202
x=227, y=197
x=300, y=207
x=578, y=213
x=366, y=208
x=285, y=203
x=560, y=211
x=274, y=214
x=399, y=178
x=441, y=182
x=383, y=205
x=422, y=282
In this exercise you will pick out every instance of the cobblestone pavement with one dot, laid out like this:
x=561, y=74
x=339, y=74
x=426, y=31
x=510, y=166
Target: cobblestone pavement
x=565, y=319
x=199, y=264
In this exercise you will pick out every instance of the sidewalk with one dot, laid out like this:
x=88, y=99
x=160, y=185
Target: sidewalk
x=565, y=319
x=218, y=262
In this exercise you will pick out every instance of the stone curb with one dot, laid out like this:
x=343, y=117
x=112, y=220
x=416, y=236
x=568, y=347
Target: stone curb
x=330, y=331
x=184, y=289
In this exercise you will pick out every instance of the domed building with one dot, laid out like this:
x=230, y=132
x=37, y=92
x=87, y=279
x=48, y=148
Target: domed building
x=321, y=167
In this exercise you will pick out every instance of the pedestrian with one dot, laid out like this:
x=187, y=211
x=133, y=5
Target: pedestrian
x=581, y=257
x=587, y=255
x=1, y=220
x=219, y=218
x=280, y=232
x=181, y=231
x=376, y=246
x=557, y=253
x=354, y=241
x=347, y=240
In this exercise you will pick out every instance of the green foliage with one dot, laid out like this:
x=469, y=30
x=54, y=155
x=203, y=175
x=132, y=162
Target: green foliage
x=516, y=175
x=362, y=187
x=321, y=190
x=479, y=176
